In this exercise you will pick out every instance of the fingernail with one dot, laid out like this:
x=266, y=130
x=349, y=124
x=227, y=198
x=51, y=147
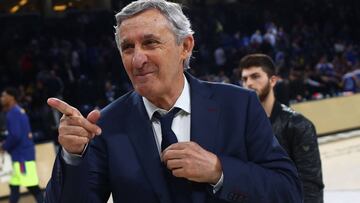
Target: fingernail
x=98, y=131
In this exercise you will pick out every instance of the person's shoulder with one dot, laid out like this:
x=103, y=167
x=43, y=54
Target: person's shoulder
x=121, y=104
x=16, y=111
x=216, y=88
x=288, y=111
x=226, y=89
x=297, y=119
x=230, y=95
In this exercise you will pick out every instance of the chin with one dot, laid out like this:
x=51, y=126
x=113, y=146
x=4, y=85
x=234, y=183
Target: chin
x=144, y=90
x=150, y=88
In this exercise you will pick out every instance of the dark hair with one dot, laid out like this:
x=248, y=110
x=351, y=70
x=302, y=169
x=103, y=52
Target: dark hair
x=259, y=60
x=12, y=92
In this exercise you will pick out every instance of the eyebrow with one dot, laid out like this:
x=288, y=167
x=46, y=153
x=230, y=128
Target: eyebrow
x=123, y=42
x=151, y=36
x=251, y=75
x=146, y=36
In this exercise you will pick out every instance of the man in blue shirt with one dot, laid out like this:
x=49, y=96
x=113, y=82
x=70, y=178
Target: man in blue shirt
x=19, y=145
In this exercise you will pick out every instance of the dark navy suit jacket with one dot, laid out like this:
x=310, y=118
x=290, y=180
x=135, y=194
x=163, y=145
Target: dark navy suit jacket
x=226, y=120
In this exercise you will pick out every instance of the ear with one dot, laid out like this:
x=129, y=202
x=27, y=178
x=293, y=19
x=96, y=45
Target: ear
x=273, y=80
x=187, y=46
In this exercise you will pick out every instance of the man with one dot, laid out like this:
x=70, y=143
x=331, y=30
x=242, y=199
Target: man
x=219, y=147
x=295, y=133
x=19, y=145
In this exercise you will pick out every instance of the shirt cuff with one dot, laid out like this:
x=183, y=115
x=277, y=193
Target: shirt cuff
x=72, y=159
x=219, y=184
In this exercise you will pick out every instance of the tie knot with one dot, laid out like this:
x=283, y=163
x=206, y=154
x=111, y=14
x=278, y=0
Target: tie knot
x=167, y=118
x=168, y=136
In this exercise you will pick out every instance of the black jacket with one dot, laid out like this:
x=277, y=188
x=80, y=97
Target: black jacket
x=297, y=135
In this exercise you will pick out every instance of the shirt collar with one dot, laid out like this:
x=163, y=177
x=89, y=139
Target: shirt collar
x=183, y=102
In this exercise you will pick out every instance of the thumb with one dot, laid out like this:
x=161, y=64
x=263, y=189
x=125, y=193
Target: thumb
x=93, y=116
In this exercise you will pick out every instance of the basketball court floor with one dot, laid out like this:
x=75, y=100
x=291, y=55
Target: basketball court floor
x=340, y=156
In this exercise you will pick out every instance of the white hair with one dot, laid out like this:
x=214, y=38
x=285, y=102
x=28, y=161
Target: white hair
x=179, y=23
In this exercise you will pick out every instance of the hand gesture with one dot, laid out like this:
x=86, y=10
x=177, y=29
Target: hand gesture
x=189, y=160
x=75, y=131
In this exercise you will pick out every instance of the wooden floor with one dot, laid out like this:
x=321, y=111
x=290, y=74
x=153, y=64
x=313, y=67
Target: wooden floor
x=23, y=199
x=340, y=156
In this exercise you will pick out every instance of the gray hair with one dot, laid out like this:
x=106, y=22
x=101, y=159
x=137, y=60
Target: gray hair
x=179, y=23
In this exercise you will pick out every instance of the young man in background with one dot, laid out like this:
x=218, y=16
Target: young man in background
x=295, y=133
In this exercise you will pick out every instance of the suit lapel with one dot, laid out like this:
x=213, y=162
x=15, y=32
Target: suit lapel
x=204, y=115
x=204, y=128
x=204, y=124
x=142, y=137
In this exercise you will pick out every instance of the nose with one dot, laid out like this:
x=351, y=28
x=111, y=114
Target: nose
x=247, y=83
x=139, y=58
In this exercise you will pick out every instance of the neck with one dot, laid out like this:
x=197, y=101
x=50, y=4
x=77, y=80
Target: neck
x=168, y=100
x=268, y=103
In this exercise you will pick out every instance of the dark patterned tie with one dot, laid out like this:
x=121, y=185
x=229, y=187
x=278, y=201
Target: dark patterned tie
x=179, y=187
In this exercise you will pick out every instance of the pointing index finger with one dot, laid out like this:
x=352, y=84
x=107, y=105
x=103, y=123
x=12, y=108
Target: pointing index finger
x=63, y=107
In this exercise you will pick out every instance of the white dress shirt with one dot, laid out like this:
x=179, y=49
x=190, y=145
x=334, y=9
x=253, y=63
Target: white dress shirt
x=181, y=122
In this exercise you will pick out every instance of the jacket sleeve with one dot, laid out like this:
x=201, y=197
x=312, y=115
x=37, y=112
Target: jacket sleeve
x=268, y=175
x=78, y=183
x=305, y=154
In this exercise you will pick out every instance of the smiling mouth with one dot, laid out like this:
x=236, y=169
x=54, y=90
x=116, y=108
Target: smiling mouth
x=142, y=74
x=142, y=77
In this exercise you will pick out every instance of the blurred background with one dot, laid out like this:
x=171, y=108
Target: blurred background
x=66, y=49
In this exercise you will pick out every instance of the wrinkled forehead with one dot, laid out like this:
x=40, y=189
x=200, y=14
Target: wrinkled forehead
x=145, y=23
x=149, y=20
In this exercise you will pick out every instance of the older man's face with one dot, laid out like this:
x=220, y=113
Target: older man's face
x=152, y=58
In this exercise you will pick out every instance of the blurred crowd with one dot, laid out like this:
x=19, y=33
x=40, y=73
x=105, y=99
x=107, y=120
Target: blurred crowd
x=315, y=45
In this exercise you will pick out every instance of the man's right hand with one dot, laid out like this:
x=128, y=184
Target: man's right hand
x=75, y=131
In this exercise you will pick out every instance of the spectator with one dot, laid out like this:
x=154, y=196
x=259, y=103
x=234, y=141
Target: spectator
x=295, y=132
x=19, y=145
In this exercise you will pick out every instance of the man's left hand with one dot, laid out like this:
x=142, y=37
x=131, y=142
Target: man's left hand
x=189, y=160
